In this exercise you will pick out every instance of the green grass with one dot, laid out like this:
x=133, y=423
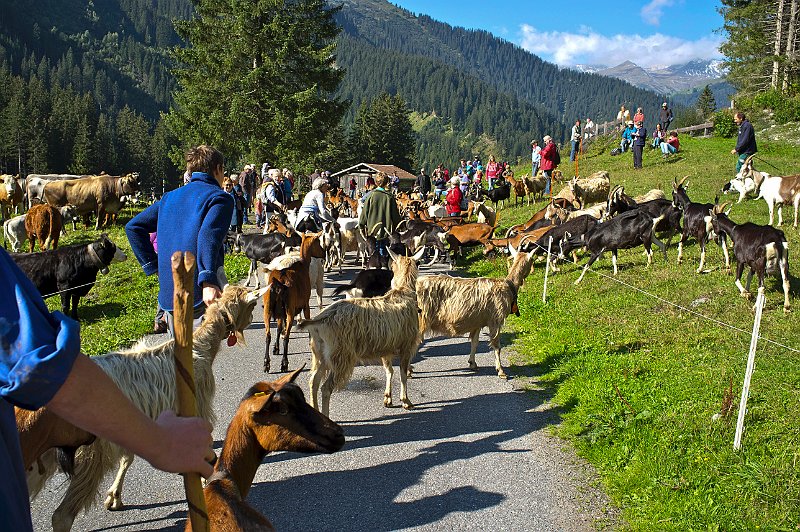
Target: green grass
x=661, y=457
x=120, y=308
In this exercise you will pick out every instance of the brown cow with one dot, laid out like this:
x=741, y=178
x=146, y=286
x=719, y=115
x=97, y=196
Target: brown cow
x=97, y=194
x=45, y=223
x=11, y=195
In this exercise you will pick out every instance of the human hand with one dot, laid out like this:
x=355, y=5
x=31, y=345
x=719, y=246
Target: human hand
x=733, y=151
x=210, y=293
x=185, y=445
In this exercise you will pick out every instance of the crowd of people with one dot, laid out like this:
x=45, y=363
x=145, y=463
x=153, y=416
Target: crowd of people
x=634, y=137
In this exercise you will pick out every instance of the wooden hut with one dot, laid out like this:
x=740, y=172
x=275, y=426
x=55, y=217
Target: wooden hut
x=362, y=171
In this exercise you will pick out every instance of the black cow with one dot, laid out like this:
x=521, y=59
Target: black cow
x=71, y=270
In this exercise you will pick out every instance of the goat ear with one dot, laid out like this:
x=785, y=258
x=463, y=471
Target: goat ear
x=286, y=379
x=392, y=254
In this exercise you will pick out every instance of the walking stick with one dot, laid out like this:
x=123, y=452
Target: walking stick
x=183, y=278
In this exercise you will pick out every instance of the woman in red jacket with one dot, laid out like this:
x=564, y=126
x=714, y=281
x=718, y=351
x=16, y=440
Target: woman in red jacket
x=492, y=171
x=453, y=198
x=548, y=157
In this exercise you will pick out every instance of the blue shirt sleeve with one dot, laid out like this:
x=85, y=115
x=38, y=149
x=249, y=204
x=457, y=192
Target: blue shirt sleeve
x=138, y=231
x=210, y=256
x=37, y=348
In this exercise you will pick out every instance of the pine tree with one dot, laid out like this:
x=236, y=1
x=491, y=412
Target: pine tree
x=706, y=103
x=257, y=79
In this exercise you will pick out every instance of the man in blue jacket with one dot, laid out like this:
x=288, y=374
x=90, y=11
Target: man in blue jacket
x=745, y=142
x=41, y=364
x=192, y=218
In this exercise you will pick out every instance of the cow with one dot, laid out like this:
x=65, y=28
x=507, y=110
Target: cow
x=34, y=185
x=70, y=271
x=97, y=194
x=11, y=195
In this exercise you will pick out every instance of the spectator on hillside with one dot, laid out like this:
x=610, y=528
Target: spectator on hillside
x=440, y=184
x=423, y=183
x=671, y=145
x=623, y=116
x=627, y=137
x=665, y=117
x=492, y=171
x=575, y=140
x=639, y=116
x=536, y=157
x=588, y=129
x=745, y=142
x=288, y=184
x=548, y=161
x=658, y=136
x=639, y=141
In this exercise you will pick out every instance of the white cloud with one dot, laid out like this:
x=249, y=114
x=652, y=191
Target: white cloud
x=651, y=13
x=590, y=47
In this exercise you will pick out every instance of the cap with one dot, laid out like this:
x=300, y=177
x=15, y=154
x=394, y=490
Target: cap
x=629, y=122
x=547, y=138
x=664, y=104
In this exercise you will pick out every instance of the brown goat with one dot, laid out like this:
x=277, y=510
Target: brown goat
x=273, y=416
x=538, y=216
x=519, y=189
x=518, y=240
x=470, y=234
x=41, y=430
x=288, y=292
x=45, y=223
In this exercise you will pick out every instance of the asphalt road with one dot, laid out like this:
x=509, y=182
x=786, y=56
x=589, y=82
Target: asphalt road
x=474, y=454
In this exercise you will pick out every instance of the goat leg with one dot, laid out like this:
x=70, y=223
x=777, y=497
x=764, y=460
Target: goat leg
x=494, y=341
x=266, y=348
x=286, y=331
x=473, y=347
x=113, y=500
x=405, y=364
x=387, y=394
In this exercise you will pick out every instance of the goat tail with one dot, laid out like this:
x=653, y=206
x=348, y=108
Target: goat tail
x=343, y=288
x=305, y=324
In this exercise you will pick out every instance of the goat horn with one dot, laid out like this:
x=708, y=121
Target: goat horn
x=682, y=181
x=512, y=250
x=418, y=255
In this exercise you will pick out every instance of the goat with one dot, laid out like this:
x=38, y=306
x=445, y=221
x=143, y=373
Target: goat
x=422, y=234
x=762, y=247
x=288, y=293
x=367, y=283
x=332, y=244
x=594, y=188
x=262, y=248
x=501, y=192
x=534, y=186
x=576, y=228
x=519, y=189
x=14, y=233
x=748, y=180
x=619, y=202
x=559, y=215
x=453, y=306
x=41, y=430
x=625, y=231
x=539, y=218
x=696, y=223
x=365, y=329
x=483, y=213
x=518, y=240
x=272, y=416
x=777, y=190
x=146, y=374
x=467, y=235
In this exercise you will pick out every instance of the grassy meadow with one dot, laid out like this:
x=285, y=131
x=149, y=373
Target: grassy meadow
x=637, y=379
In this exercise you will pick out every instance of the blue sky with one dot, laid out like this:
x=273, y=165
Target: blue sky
x=647, y=32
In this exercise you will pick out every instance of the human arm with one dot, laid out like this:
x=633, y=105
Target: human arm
x=89, y=399
x=322, y=211
x=210, y=239
x=138, y=231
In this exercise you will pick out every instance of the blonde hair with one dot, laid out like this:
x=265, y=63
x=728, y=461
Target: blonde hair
x=204, y=158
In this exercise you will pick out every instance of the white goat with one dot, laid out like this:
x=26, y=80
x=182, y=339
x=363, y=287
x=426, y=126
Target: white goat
x=592, y=189
x=146, y=374
x=534, y=186
x=14, y=233
x=777, y=190
x=453, y=306
x=365, y=329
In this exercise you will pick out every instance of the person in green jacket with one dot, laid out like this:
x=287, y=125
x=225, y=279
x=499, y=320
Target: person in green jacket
x=380, y=216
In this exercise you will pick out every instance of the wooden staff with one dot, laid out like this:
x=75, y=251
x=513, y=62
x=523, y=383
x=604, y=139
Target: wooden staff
x=183, y=279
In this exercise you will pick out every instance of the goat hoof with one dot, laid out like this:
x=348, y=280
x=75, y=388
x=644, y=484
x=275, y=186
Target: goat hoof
x=747, y=295
x=408, y=405
x=387, y=402
x=787, y=309
x=284, y=368
x=113, y=504
x=473, y=366
x=502, y=374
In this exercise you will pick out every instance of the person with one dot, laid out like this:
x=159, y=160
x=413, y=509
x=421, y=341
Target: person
x=192, y=218
x=313, y=211
x=380, y=216
x=453, y=199
x=664, y=117
x=248, y=181
x=639, y=140
x=423, y=183
x=492, y=171
x=671, y=145
x=588, y=129
x=394, y=183
x=332, y=180
x=627, y=137
x=658, y=136
x=351, y=188
x=536, y=157
x=369, y=186
x=507, y=171
x=464, y=180
x=273, y=197
x=227, y=186
x=41, y=365
x=639, y=116
x=239, y=201
x=440, y=184
x=548, y=161
x=288, y=184
x=623, y=116
x=575, y=140
x=745, y=141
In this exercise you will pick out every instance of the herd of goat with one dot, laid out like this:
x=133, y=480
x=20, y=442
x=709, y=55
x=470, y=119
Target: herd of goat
x=386, y=315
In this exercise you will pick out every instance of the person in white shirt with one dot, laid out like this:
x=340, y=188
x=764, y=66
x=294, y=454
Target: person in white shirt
x=313, y=211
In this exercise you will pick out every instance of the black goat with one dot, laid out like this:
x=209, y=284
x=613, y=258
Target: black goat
x=421, y=233
x=501, y=192
x=762, y=247
x=262, y=248
x=696, y=223
x=368, y=283
x=625, y=231
x=571, y=229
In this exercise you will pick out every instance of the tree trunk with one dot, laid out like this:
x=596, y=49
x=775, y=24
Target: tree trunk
x=778, y=42
x=790, y=47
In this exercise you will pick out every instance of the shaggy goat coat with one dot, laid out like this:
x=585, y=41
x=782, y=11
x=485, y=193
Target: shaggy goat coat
x=146, y=375
x=365, y=329
x=453, y=306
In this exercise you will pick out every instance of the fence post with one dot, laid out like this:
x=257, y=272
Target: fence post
x=751, y=360
x=546, y=270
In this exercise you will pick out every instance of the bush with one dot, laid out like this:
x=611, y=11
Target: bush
x=724, y=126
x=785, y=109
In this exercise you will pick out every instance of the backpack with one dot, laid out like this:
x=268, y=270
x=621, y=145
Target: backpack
x=556, y=158
x=616, y=151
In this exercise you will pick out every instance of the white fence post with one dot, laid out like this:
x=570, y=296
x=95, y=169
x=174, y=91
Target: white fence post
x=546, y=270
x=751, y=360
